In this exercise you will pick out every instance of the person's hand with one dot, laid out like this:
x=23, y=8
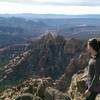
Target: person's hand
x=87, y=93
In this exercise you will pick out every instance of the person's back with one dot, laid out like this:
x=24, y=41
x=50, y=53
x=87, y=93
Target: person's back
x=94, y=73
x=93, y=48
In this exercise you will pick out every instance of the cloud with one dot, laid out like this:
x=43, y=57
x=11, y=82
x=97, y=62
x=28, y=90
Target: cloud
x=58, y=2
x=50, y=6
x=47, y=9
x=71, y=2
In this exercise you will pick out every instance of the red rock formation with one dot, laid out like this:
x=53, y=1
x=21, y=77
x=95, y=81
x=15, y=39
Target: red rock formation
x=72, y=45
x=48, y=56
x=75, y=65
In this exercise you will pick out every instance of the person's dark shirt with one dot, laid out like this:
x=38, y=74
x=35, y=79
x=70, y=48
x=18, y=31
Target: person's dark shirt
x=94, y=71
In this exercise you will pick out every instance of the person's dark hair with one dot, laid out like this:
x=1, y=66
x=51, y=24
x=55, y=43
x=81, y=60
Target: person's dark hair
x=95, y=44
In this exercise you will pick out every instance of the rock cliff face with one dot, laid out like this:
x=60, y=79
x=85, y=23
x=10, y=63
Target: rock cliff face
x=46, y=56
x=34, y=89
x=49, y=55
x=76, y=65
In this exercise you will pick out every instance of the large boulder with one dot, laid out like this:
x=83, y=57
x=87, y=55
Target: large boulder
x=42, y=86
x=37, y=98
x=25, y=97
x=77, y=87
x=54, y=94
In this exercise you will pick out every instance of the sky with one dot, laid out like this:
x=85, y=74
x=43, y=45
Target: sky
x=68, y=7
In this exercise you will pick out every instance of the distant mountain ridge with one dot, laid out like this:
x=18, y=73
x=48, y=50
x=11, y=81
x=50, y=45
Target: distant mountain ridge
x=44, y=16
x=16, y=28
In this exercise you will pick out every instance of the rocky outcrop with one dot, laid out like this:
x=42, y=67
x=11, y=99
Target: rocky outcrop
x=53, y=94
x=49, y=55
x=75, y=66
x=78, y=86
x=25, y=97
x=28, y=97
x=34, y=89
x=45, y=56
